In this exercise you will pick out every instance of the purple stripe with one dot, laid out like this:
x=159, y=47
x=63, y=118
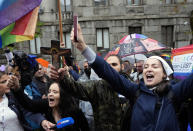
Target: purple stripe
x=180, y=77
x=140, y=36
x=16, y=11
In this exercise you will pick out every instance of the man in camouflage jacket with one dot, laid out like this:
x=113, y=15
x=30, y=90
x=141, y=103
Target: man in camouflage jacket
x=105, y=102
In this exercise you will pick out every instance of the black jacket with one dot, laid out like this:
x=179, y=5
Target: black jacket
x=22, y=113
x=80, y=123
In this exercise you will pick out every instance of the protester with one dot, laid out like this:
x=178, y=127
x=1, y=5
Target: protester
x=85, y=106
x=39, y=81
x=127, y=69
x=25, y=66
x=12, y=114
x=184, y=110
x=86, y=72
x=138, y=65
x=153, y=109
x=105, y=102
x=58, y=105
x=125, y=103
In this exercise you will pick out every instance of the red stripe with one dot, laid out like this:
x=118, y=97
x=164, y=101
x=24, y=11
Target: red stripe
x=21, y=24
x=121, y=41
x=184, y=48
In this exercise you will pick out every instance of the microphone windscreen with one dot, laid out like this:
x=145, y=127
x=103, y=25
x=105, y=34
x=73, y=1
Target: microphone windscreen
x=65, y=122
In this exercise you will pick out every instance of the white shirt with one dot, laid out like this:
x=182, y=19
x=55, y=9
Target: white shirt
x=135, y=76
x=8, y=118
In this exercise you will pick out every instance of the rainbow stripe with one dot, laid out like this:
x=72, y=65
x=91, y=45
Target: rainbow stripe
x=21, y=30
x=182, y=52
x=166, y=56
x=12, y=10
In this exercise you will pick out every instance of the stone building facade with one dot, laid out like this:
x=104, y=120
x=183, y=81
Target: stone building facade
x=105, y=22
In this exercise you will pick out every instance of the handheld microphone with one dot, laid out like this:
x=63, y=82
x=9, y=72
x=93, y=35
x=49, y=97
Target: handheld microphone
x=63, y=123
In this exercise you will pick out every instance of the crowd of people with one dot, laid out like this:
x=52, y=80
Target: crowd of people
x=106, y=95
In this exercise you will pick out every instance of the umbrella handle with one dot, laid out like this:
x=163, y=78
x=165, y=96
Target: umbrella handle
x=137, y=72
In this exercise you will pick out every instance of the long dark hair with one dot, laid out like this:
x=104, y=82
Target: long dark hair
x=67, y=103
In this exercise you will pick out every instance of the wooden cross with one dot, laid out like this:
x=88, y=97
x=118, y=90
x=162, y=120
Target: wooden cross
x=56, y=52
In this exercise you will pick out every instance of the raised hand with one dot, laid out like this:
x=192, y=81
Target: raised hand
x=80, y=45
x=13, y=82
x=64, y=71
x=55, y=74
x=52, y=72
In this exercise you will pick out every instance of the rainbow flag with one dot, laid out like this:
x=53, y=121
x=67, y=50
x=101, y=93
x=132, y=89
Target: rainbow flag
x=12, y=10
x=182, y=61
x=21, y=30
x=166, y=56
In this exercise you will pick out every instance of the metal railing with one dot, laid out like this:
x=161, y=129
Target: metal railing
x=66, y=15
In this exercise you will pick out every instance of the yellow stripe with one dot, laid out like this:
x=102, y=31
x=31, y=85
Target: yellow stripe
x=20, y=38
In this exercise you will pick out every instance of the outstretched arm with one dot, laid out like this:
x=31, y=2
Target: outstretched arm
x=29, y=104
x=103, y=69
x=118, y=82
x=86, y=91
x=36, y=118
x=184, y=88
x=23, y=99
x=75, y=75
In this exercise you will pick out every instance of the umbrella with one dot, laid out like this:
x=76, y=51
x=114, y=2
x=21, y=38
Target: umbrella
x=126, y=38
x=135, y=44
x=134, y=58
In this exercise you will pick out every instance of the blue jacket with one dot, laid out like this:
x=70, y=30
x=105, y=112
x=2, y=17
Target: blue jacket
x=75, y=75
x=145, y=117
x=21, y=113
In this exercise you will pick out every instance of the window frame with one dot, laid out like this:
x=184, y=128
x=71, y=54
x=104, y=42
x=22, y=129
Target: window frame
x=164, y=34
x=106, y=3
x=36, y=46
x=171, y=2
x=65, y=39
x=134, y=27
x=103, y=39
x=134, y=3
x=65, y=6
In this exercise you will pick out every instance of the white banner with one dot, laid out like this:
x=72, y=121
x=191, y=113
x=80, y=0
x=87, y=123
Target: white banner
x=183, y=63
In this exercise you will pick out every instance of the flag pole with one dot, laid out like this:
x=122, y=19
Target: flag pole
x=62, y=45
x=60, y=25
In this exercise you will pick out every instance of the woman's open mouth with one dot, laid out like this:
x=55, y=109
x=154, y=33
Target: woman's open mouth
x=150, y=77
x=51, y=100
